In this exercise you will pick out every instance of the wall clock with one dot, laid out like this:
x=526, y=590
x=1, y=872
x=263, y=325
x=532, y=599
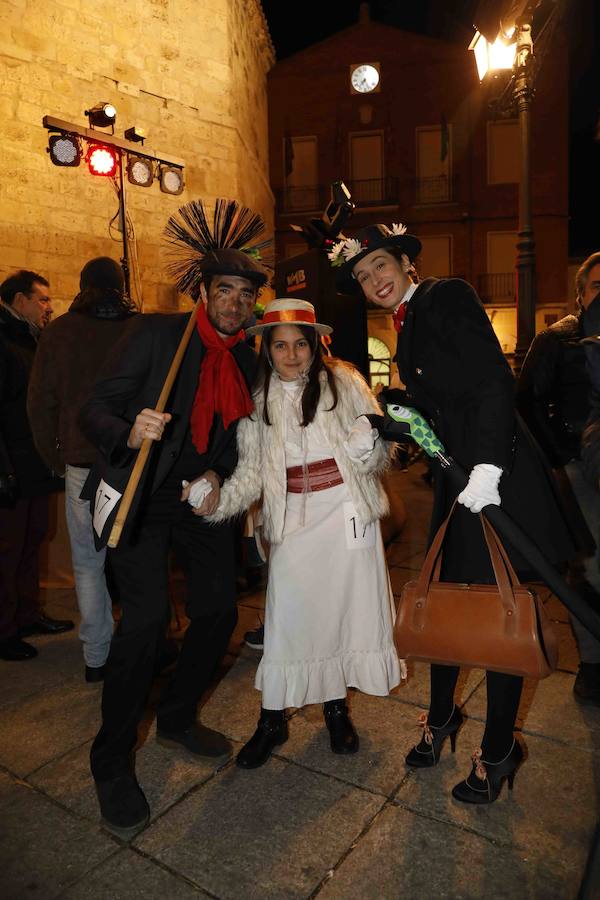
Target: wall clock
x=364, y=78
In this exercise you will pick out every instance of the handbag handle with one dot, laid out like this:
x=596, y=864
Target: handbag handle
x=506, y=577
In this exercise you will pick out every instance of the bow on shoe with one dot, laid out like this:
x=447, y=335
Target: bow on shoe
x=427, y=735
x=480, y=769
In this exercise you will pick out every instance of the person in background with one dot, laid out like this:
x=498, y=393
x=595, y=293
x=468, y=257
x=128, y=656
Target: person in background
x=70, y=354
x=25, y=481
x=554, y=398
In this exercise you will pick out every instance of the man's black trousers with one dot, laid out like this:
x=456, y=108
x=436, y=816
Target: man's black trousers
x=206, y=555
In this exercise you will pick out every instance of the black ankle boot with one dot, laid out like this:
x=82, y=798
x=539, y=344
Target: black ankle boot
x=272, y=731
x=427, y=751
x=342, y=735
x=484, y=783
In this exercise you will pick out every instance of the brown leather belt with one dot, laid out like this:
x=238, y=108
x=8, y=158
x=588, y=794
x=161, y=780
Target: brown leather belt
x=317, y=476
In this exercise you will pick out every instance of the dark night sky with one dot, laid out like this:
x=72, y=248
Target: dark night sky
x=452, y=20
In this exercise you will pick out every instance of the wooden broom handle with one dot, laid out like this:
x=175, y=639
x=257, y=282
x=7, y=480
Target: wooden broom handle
x=144, y=451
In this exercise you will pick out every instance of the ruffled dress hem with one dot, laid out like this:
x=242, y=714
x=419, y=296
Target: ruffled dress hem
x=296, y=684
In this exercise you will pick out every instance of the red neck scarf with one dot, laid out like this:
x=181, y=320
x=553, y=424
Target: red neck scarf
x=221, y=386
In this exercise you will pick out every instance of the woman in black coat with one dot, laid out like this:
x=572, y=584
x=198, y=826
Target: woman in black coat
x=454, y=372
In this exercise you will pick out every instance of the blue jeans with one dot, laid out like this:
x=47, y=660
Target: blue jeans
x=588, y=498
x=93, y=598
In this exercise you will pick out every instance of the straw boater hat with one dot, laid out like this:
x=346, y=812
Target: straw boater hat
x=288, y=311
x=347, y=252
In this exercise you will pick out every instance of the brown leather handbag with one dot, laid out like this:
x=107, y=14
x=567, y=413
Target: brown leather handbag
x=502, y=626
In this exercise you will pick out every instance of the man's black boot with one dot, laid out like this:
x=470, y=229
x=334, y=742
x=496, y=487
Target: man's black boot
x=272, y=731
x=342, y=735
x=197, y=739
x=123, y=807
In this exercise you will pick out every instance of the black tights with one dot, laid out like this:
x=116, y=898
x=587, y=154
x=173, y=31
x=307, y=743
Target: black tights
x=503, y=696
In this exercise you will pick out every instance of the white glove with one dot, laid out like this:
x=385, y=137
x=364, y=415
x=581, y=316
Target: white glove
x=482, y=489
x=198, y=491
x=361, y=440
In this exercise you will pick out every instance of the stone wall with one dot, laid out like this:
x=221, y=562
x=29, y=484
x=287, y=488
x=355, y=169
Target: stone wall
x=192, y=73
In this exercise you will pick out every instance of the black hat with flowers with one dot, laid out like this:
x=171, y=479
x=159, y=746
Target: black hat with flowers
x=347, y=252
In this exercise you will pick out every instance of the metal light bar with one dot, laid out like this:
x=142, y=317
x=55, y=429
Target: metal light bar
x=92, y=135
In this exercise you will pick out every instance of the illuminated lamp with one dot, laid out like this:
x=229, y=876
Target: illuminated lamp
x=101, y=115
x=494, y=57
x=102, y=160
x=64, y=149
x=171, y=180
x=140, y=171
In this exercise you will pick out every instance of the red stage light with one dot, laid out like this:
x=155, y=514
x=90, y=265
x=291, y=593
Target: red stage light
x=102, y=160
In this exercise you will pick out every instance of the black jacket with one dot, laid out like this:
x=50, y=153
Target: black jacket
x=70, y=353
x=553, y=389
x=17, y=450
x=455, y=372
x=131, y=380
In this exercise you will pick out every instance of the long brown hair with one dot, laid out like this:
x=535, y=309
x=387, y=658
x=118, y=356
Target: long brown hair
x=312, y=390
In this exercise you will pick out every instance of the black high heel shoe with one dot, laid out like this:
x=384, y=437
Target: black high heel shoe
x=484, y=783
x=427, y=752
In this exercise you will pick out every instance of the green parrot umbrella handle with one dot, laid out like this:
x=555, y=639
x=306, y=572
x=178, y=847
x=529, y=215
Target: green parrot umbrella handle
x=399, y=423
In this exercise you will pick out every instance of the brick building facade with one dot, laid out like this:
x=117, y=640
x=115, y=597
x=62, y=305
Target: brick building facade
x=422, y=148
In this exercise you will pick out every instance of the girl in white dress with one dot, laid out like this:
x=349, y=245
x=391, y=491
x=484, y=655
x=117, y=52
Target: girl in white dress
x=311, y=453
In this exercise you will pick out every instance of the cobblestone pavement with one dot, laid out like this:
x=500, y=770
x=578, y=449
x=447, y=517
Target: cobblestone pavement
x=308, y=824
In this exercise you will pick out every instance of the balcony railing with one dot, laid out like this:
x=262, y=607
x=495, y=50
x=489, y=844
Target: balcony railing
x=434, y=190
x=369, y=192
x=497, y=287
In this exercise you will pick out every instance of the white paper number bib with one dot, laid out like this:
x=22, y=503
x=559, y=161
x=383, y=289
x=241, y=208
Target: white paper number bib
x=358, y=535
x=106, y=500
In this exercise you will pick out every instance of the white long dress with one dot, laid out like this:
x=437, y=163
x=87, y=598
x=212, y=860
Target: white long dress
x=329, y=612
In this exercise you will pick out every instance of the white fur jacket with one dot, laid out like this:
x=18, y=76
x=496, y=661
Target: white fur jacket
x=261, y=465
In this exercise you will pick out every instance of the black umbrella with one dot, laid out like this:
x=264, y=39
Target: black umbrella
x=401, y=422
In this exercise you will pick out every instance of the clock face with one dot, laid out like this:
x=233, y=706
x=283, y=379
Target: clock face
x=364, y=79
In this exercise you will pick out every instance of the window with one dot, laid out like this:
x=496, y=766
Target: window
x=366, y=163
x=301, y=172
x=434, y=164
x=504, y=154
x=380, y=360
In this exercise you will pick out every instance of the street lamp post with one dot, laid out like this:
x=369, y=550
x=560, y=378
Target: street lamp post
x=526, y=288
x=513, y=50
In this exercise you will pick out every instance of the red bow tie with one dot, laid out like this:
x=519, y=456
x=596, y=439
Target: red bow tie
x=399, y=316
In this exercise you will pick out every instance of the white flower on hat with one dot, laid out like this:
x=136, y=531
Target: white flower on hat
x=335, y=255
x=352, y=247
x=398, y=228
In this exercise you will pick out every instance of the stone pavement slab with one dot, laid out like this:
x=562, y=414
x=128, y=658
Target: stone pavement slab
x=382, y=726
x=129, y=876
x=60, y=659
x=48, y=724
x=271, y=833
x=43, y=848
x=549, y=708
x=404, y=856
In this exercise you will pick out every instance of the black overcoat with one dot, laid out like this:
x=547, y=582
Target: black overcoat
x=18, y=454
x=131, y=380
x=455, y=372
